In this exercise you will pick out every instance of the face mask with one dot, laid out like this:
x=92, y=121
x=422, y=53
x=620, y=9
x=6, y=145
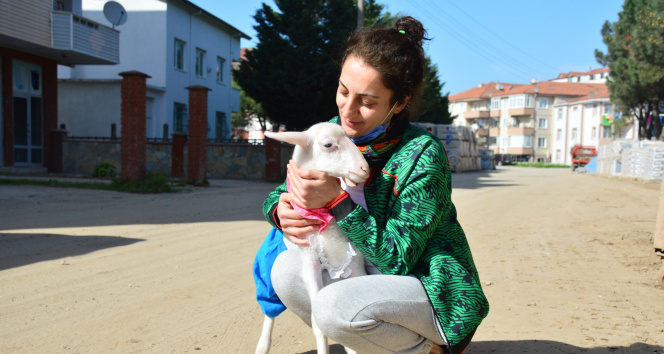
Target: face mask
x=373, y=133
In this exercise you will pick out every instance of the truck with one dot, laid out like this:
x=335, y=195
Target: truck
x=581, y=155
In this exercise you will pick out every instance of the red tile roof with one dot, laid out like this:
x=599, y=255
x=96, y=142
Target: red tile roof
x=483, y=90
x=601, y=92
x=553, y=89
x=579, y=73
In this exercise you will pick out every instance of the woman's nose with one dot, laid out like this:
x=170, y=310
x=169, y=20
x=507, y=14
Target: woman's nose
x=347, y=108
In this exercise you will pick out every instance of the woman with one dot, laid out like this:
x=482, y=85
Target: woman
x=426, y=294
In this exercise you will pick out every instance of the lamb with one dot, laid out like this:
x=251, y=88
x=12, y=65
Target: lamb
x=324, y=147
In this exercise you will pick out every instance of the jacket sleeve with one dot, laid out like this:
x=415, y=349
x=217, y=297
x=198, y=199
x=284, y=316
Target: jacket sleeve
x=409, y=201
x=270, y=206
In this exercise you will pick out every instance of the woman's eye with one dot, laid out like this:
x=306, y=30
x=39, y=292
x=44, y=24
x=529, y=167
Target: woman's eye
x=366, y=104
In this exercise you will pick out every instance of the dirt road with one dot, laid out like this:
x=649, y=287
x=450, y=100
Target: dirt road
x=566, y=261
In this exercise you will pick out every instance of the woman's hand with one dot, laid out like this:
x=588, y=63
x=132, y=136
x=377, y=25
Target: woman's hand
x=312, y=189
x=295, y=226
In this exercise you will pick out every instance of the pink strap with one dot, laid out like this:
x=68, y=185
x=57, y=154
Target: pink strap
x=324, y=215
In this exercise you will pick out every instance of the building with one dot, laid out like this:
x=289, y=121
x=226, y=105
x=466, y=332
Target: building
x=35, y=37
x=596, y=76
x=515, y=119
x=177, y=44
x=587, y=120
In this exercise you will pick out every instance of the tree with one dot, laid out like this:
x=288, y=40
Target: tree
x=293, y=70
x=432, y=106
x=635, y=56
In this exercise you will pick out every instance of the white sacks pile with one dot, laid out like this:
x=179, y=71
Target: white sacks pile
x=642, y=160
x=460, y=144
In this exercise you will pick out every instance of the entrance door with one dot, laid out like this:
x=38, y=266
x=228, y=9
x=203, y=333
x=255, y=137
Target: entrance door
x=28, y=117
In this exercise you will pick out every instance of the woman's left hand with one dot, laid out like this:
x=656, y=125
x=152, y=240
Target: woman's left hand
x=312, y=189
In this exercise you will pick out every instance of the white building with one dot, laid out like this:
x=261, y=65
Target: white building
x=596, y=76
x=177, y=44
x=588, y=120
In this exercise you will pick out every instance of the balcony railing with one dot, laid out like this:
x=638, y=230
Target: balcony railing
x=515, y=112
x=520, y=131
x=476, y=114
x=82, y=41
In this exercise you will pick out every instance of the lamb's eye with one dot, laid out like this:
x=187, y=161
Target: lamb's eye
x=327, y=145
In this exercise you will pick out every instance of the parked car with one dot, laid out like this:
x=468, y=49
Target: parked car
x=503, y=159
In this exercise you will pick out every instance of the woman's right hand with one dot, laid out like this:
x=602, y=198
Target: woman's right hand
x=295, y=226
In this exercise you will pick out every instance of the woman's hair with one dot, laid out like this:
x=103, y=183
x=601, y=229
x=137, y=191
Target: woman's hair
x=396, y=53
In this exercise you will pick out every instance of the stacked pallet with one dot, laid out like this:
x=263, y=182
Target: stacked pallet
x=460, y=144
x=643, y=160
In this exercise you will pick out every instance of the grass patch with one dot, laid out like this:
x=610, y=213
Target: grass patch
x=541, y=165
x=151, y=183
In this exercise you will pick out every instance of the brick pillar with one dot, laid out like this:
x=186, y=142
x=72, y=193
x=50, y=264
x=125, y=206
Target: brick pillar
x=132, y=129
x=272, y=159
x=198, y=126
x=55, y=150
x=177, y=155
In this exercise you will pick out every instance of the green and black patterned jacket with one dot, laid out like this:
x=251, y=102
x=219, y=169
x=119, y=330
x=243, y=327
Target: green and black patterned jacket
x=411, y=227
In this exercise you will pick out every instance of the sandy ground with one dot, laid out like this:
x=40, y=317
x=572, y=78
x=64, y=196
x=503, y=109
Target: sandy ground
x=566, y=261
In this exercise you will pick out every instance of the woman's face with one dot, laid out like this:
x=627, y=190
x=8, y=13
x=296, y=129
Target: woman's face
x=362, y=98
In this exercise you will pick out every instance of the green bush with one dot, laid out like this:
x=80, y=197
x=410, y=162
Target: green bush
x=103, y=170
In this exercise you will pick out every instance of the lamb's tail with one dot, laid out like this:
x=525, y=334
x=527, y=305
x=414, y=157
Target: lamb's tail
x=266, y=336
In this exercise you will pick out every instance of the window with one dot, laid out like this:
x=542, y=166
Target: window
x=220, y=70
x=495, y=103
x=505, y=142
x=521, y=101
x=559, y=135
x=595, y=110
x=543, y=103
x=560, y=114
x=521, y=141
x=178, y=61
x=505, y=123
x=180, y=119
x=200, y=62
x=608, y=109
x=220, y=125
x=575, y=134
x=541, y=159
x=476, y=106
x=558, y=155
x=594, y=133
x=493, y=140
x=606, y=132
x=592, y=76
x=542, y=123
x=541, y=142
x=503, y=103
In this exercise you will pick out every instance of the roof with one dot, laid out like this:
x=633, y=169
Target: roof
x=553, y=89
x=598, y=93
x=483, y=91
x=579, y=73
x=216, y=19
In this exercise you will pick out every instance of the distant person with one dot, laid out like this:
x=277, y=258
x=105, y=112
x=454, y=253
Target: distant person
x=424, y=294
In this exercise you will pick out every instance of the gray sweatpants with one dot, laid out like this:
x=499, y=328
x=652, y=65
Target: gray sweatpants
x=369, y=314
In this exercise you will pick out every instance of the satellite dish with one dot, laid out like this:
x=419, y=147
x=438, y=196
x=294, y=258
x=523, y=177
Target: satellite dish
x=115, y=13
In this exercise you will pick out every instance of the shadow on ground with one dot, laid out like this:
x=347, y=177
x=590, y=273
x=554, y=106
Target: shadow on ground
x=17, y=250
x=535, y=347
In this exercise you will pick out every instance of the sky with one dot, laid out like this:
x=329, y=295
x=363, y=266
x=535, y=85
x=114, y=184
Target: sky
x=479, y=41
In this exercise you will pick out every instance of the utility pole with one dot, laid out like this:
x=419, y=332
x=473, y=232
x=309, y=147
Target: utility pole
x=360, y=13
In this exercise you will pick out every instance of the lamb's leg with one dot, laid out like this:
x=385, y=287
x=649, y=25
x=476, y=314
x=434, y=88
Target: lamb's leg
x=266, y=336
x=313, y=280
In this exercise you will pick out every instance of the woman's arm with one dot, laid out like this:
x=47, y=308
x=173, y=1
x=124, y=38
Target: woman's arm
x=405, y=212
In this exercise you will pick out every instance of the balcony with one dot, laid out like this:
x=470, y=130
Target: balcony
x=519, y=151
x=520, y=131
x=80, y=41
x=482, y=132
x=494, y=131
x=476, y=114
x=516, y=112
x=495, y=113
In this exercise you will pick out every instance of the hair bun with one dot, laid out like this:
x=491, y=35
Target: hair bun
x=411, y=27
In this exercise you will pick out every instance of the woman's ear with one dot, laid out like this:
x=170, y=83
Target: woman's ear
x=401, y=105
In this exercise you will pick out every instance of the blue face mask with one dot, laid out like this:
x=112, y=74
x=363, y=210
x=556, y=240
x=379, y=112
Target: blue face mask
x=373, y=133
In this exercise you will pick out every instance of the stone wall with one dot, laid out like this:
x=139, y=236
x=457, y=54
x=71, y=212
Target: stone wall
x=224, y=161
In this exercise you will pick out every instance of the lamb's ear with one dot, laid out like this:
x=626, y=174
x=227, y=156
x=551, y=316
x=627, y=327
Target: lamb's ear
x=296, y=138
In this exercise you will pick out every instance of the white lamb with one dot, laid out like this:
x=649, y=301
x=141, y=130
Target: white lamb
x=324, y=147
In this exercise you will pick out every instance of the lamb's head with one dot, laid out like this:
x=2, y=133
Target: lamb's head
x=326, y=147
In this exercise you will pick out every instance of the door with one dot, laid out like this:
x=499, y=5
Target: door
x=28, y=117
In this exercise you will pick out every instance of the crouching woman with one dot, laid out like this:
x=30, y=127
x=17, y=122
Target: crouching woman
x=424, y=294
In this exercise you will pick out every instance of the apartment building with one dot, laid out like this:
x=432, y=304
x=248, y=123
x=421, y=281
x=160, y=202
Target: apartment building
x=177, y=44
x=596, y=76
x=516, y=119
x=35, y=37
x=587, y=120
